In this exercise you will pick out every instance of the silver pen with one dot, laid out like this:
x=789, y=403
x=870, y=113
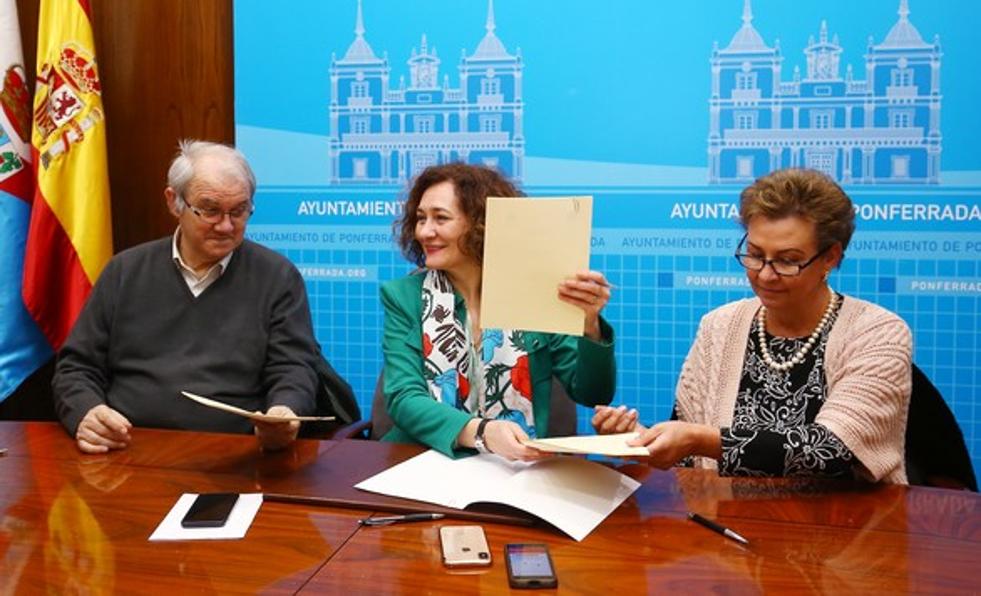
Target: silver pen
x=399, y=519
x=716, y=527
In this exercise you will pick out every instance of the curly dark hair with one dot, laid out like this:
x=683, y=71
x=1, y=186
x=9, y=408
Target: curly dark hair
x=473, y=184
x=809, y=194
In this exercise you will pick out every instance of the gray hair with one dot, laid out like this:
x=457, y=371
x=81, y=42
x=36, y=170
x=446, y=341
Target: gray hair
x=181, y=171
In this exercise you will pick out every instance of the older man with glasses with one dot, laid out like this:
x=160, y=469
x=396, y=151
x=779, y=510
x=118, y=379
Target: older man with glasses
x=800, y=379
x=203, y=311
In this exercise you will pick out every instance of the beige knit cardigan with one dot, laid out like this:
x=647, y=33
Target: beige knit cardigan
x=867, y=368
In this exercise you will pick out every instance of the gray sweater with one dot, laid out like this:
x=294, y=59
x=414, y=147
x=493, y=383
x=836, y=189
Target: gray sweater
x=143, y=337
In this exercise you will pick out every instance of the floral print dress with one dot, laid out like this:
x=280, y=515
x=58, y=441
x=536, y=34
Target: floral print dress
x=773, y=432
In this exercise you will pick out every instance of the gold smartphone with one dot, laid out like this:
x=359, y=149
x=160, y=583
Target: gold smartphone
x=464, y=546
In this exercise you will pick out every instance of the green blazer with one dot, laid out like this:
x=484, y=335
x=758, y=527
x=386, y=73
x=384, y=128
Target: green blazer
x=585, y=367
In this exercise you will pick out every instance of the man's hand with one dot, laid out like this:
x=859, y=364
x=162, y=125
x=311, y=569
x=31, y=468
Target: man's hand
x=608, y=421
x=102, y=429
x=277, y=435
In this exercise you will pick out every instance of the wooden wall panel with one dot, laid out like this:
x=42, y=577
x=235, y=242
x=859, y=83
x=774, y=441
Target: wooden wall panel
x=27, y=15
x=168, y=73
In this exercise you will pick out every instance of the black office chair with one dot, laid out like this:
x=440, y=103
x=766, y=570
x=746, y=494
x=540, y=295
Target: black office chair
x=561, y=418
x=935, y=451
x=334, y=398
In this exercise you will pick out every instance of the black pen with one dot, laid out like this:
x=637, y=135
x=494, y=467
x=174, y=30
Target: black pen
x=715, y=527
x=398, y=519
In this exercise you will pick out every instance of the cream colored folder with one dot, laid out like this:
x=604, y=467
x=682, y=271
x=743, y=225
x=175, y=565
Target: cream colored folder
x=530, y=245
x=610, y=445
x=218, y=405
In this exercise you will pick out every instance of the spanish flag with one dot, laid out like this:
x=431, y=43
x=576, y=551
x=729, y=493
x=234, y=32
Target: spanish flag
x=70, y=235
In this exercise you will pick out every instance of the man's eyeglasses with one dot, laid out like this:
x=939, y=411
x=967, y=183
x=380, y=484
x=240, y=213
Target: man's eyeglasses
x=214, y=215
x=782, y=267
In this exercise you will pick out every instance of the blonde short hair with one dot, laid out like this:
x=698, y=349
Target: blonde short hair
x=808, y=194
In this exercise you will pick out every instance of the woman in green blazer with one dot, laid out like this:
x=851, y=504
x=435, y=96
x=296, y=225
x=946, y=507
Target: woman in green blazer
x=450, y=385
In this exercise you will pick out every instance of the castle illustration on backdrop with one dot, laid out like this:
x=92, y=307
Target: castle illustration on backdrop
x=878, y=130
x=385, y=134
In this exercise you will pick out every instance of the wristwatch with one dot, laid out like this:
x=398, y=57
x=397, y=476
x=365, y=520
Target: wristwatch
x=478, y=440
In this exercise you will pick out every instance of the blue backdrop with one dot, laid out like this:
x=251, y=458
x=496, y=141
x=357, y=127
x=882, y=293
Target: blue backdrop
x=663, y=112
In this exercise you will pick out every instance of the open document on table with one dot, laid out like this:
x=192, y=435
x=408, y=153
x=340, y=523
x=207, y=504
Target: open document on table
x=571, y=493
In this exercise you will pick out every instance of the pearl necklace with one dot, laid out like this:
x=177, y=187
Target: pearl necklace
x=799, y=355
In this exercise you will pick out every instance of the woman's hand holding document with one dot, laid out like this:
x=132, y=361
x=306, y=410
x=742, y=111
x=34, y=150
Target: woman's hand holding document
x=609, y=445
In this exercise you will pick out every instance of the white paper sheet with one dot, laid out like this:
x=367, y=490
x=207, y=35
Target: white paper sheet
x=237, y=525
x=614, y=445
x=571, y=493
x=218, y=405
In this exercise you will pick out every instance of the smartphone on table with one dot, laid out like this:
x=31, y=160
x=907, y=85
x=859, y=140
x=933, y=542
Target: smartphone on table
x=529, y=566
x=210, y=510
x=464, y=546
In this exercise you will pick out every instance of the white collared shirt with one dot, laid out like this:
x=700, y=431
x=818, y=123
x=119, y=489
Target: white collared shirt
x=195, y=283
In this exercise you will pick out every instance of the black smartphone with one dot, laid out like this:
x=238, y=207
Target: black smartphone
x=529, y=566
x=210, y=510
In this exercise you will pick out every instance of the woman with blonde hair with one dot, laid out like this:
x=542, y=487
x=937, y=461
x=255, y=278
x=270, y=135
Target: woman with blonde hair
x=800, y=379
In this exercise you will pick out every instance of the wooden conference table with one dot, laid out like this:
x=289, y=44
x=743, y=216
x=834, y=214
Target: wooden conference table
x=71, y=524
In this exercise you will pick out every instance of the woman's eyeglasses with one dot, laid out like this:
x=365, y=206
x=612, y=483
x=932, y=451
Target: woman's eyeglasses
x=782, y=267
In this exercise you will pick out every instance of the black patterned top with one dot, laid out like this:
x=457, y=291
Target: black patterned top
x=773, y=432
